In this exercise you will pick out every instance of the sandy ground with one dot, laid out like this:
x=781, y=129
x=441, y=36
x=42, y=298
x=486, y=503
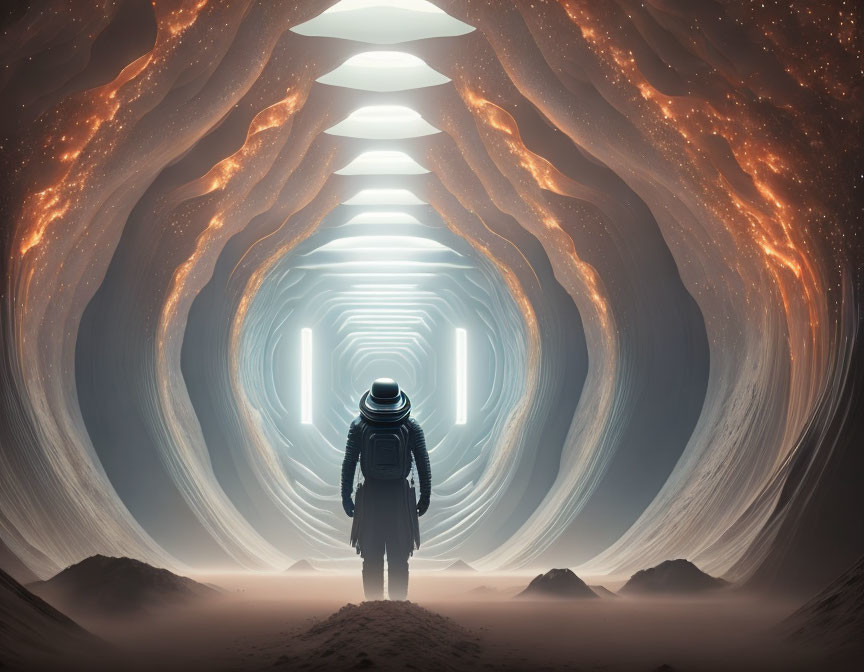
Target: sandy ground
x=260, y=620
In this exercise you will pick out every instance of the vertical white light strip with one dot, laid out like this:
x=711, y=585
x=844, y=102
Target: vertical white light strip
x=306, y=376
x=461, y=376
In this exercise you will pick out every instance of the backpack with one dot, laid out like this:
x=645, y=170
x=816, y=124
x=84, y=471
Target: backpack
x=385, y=454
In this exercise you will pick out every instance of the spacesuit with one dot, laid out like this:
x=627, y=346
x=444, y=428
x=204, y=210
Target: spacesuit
x=387, y=442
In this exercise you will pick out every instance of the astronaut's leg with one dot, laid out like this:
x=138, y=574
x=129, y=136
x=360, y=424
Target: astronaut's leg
x=373, y=577
x=397, y=573
x=372, y=542
x=373, y=565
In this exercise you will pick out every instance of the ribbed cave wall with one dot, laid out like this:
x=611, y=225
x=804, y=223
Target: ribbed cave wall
x=644, y=215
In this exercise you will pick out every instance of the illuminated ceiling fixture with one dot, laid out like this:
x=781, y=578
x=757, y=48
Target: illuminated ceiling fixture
x=306, y=376
x=383, y=122
x=385, y=217
x=377, y=251
x=383, y=22
x=383, y=163
x=384, y=71
x=461, y=376
x=410, y=5
x=366, y=244
x=384, y=197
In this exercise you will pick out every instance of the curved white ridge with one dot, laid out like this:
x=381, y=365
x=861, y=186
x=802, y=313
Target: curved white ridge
x=384, y=71
x=383, y=22
x=384, y=197
x=384, y=217
x=383, y=122
x=381, y=243
x=383, y=162
x=412, y=5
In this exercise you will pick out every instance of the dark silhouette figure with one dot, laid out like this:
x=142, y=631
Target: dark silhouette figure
x=386, y=441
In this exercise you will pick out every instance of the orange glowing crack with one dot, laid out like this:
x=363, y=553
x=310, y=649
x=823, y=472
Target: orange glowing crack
x=274, y=116
x=271, y=117
x=547, y=177
x=542, y=171
x=43, y=208
x=774, y=228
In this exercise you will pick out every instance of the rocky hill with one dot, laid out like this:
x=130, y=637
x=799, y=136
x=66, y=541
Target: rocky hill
x=557, y=583
x=602, y=591
x=301, y=567
x=672, y=577
x=101, y=586
x=833, y=621
x=34, y=634
x=460, y=566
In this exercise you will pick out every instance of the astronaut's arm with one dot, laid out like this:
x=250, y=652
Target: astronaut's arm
x=349, y=467
x=424, y=470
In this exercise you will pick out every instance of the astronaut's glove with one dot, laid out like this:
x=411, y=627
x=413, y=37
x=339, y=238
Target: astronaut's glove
x=422, y=505
x=348, y=505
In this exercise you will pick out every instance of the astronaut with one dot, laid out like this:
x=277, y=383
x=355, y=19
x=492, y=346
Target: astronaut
x=387, y=442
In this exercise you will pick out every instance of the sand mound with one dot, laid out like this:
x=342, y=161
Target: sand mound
x=483, y=591
x=557, y=583
x=602, y=591
x=108, y=587
x=301, y=567
x=385, y=636
x=460, y=566
x=35, y=634
x=834, y=619
x=680, y=577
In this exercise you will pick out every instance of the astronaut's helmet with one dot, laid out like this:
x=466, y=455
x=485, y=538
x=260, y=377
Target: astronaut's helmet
x=385, y=402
